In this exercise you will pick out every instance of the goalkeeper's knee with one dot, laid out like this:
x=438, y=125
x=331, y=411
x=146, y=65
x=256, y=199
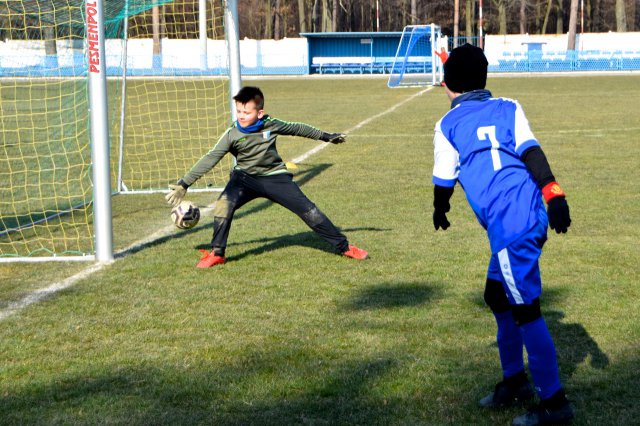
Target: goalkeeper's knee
x=223, y=208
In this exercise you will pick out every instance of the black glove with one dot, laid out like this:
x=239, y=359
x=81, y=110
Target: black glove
x=441, y=196
x=440, y=220
x=333, y=137
x=558, y=212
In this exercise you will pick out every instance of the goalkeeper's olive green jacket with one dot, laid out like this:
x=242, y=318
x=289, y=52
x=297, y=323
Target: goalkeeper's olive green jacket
x=255, y=151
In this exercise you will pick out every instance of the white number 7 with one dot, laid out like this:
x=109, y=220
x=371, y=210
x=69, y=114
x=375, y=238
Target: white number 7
x=489, y=132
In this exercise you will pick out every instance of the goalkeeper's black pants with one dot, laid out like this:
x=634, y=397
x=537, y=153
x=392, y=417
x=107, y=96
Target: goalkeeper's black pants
x=280, y=189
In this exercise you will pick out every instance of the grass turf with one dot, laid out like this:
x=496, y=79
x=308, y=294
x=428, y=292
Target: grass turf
x=287, y=332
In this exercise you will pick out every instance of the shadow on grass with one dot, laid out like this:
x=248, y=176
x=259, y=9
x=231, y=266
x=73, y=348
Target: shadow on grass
x=302, y=239
x=574, y=344
x=252, y=390
x=255, y=206
x=389, y=296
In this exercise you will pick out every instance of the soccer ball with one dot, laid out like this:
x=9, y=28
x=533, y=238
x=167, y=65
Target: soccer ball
x=185, y=215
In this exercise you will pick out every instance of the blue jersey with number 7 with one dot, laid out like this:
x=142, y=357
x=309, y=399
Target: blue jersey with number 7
x=478, y=143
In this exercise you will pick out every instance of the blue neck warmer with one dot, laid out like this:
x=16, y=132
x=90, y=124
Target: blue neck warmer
x=475, y=95
x=255, y=127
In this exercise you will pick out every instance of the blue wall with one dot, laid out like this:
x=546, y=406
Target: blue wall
x=379, y=47
x=370, y=44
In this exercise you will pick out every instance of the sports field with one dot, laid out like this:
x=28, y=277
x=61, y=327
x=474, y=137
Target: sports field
x=289, y=333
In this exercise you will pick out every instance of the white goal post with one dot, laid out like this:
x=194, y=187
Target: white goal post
x=416, y=63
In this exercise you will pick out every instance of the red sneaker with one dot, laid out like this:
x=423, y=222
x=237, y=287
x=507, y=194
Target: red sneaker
x=356, y=253
x=209, y=259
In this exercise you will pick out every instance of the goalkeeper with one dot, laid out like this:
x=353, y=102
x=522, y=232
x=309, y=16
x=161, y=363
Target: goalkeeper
x=486, y=144
x=259, y=172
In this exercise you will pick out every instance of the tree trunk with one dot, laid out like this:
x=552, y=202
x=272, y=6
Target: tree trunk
x=456, y=21
x=302, y=21
x=155, y=24
x=414, y=12
x=502, y=15
x=314, y=17
x=334, y=16
x=523, y=17
x=276, y=21
x=621, y=17
x=470, y=16
x=559, y=18
x=326, y=22
x=538, y=17
x=50, y=47
x=573, y=23
x=631, y=9
x=268, y=20
x=543, y=30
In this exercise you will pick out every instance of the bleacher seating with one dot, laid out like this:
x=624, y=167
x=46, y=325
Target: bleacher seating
x=351, y=65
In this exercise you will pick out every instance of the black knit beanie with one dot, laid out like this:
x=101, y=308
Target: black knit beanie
x=466, y=69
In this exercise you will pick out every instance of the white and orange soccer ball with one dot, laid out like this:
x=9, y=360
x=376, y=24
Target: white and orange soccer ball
x=185, y=215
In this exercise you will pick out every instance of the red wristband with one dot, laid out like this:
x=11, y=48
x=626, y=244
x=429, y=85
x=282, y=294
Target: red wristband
x=552, y=190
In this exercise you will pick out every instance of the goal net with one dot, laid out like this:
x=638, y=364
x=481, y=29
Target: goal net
x=163, y=113
x=174, y=103
x=415, y=63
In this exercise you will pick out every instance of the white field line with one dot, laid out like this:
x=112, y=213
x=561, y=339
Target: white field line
x=363, y=123
x=43, y=293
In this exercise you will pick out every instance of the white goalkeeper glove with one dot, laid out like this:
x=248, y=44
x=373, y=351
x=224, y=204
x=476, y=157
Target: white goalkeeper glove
x=176, y=194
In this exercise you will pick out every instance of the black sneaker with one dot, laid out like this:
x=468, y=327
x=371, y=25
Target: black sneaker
x=541, y=416
x=512, y=391
x=553, y=411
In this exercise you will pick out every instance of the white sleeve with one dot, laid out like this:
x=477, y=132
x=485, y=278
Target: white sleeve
x=523, y=133
x=446, y=160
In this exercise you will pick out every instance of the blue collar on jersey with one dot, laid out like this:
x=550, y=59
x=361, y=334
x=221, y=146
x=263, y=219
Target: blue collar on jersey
x=255, y=127
x=475, y=95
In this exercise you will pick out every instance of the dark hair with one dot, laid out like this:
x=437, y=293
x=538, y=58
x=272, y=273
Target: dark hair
x=465, y=69
x=250, y=93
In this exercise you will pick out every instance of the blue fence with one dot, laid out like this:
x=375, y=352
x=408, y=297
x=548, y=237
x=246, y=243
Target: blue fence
x=358, y=55
x=594, y=60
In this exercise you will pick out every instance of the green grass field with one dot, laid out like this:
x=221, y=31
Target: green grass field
x=289, y=333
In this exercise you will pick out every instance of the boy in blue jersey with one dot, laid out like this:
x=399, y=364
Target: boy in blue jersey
x=486, y=145
x=259, y=172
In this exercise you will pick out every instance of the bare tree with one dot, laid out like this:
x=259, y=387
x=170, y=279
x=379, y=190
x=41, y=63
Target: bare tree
x=155, y=19
x=621, y=16
x=268, y=20
x=314, y=17
x=50, y=47
x=334, y=16
x=456, y=21
x=326, y=21
x=543, y=29
x=559, y=18
x=276, y=21
x=502, y=15
x=414, y=12
x=573, y=23
x=470, y=18
x=302, y=18
x=631, y=13
x=523, y=17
